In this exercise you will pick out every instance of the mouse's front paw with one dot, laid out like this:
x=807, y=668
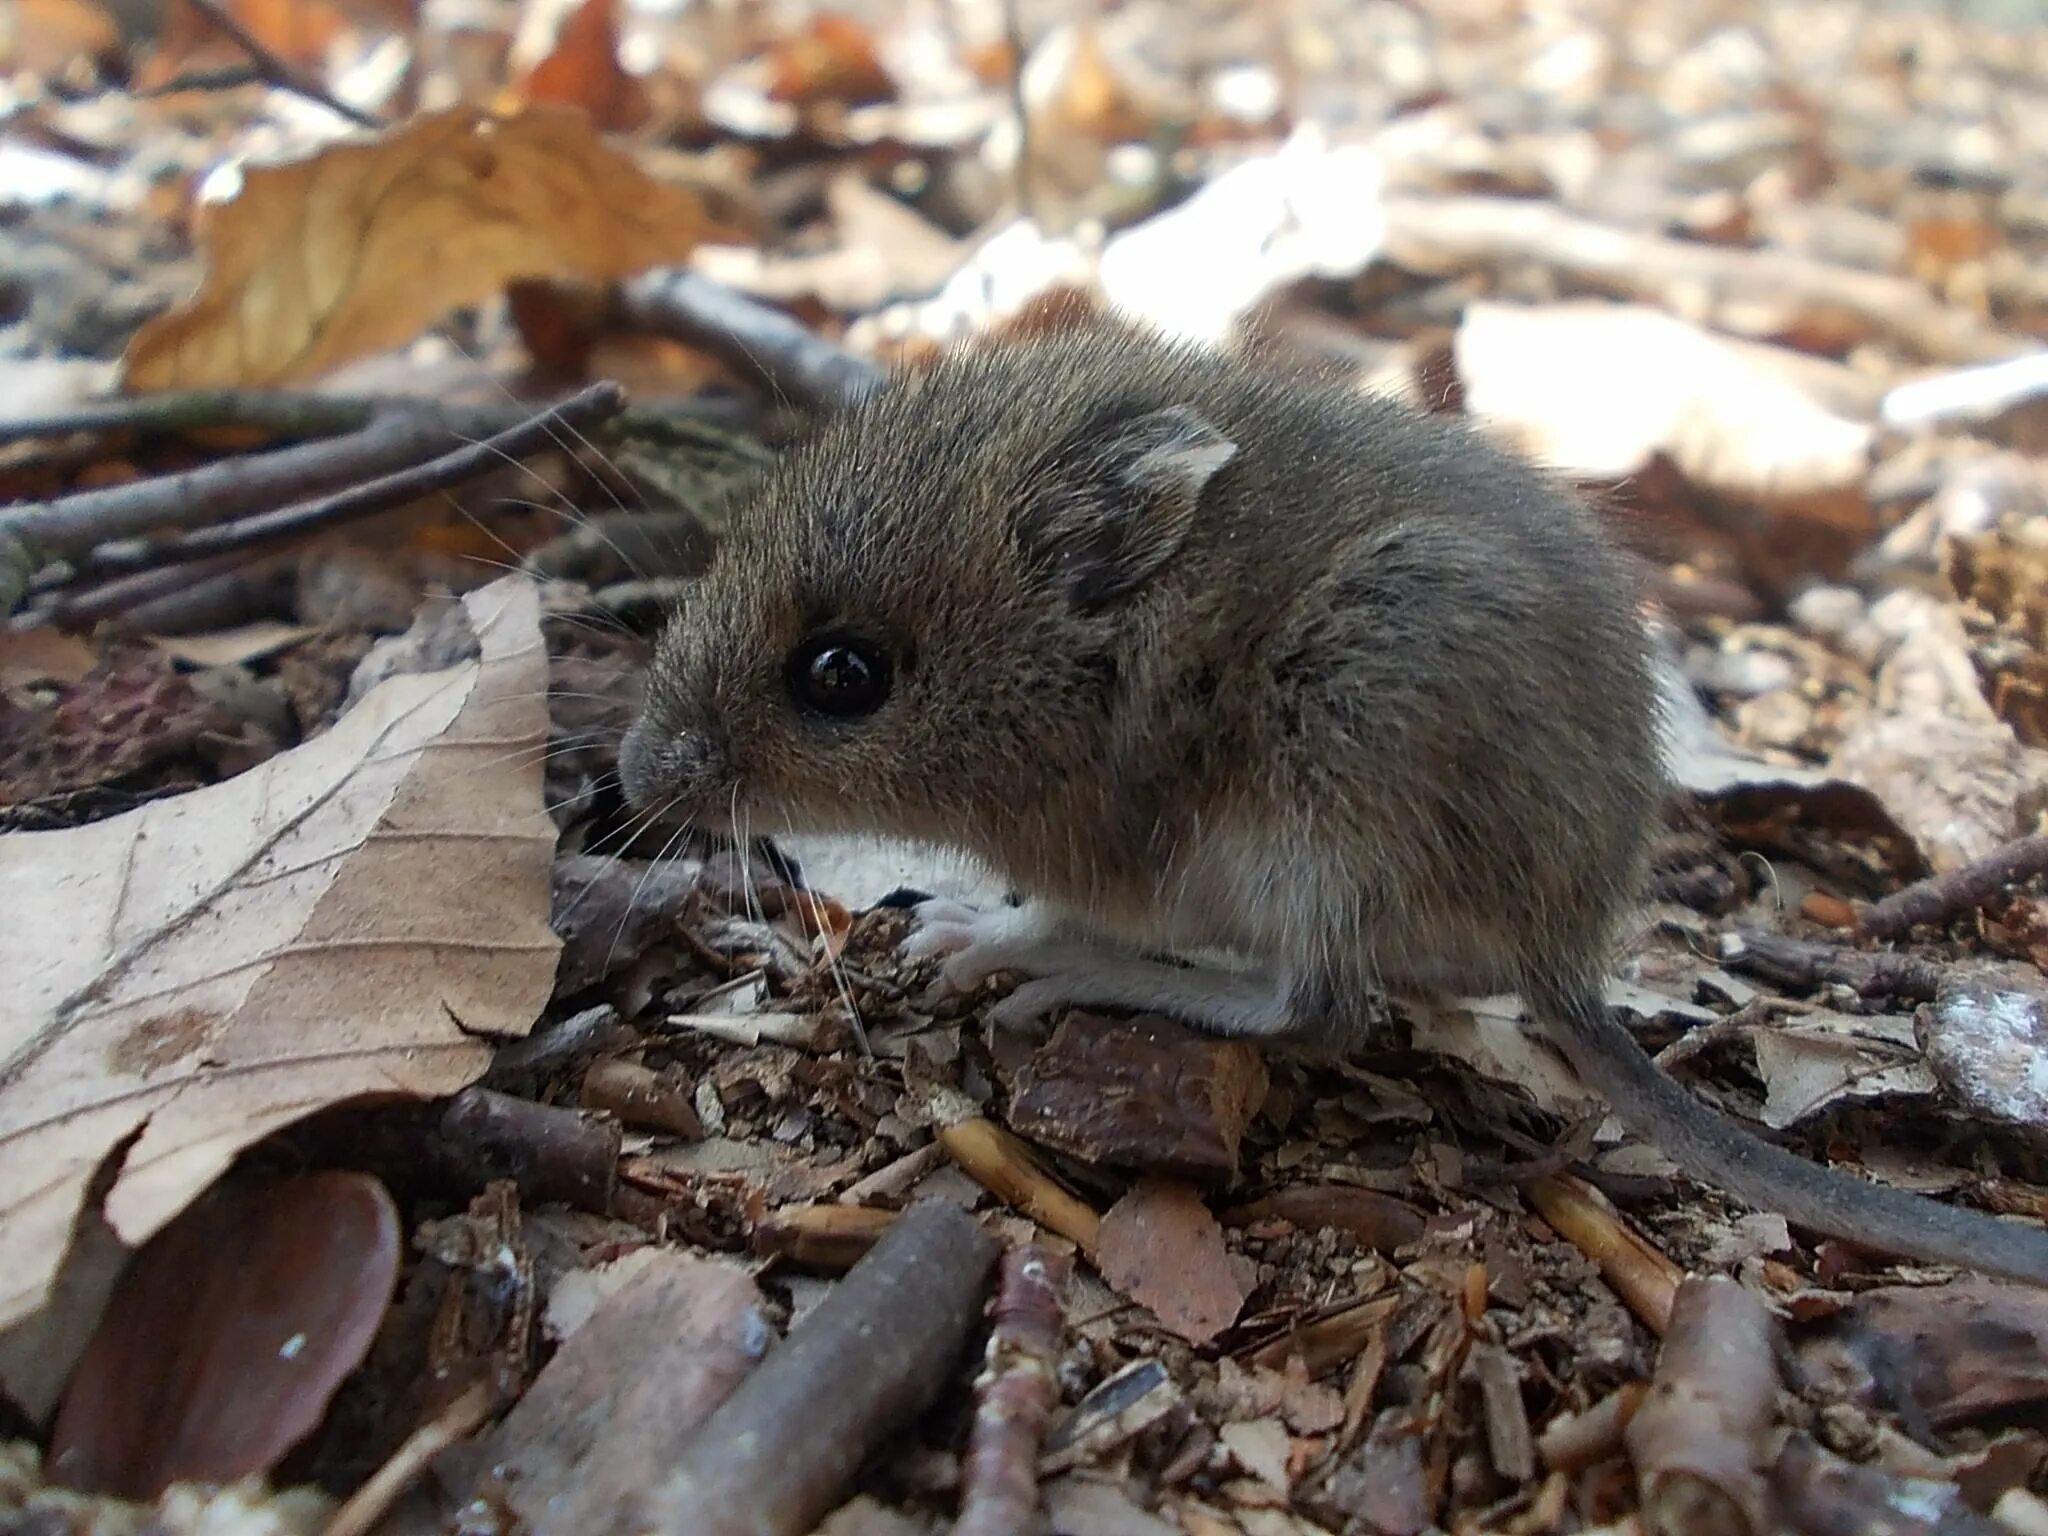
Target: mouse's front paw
x=974, y=944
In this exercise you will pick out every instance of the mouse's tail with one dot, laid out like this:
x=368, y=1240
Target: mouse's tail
x=1713, y=1148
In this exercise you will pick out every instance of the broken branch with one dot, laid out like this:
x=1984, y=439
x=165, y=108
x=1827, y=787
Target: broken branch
x=777, y=1455
x=1939, y=898
x=541, y=430
x=1015, y=1395
x=761, y=342
x=1697, y=1439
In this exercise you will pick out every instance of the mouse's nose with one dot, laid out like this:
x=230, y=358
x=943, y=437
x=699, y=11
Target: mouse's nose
x=646, y=778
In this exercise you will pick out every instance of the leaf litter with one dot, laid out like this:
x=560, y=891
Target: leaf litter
x=199, y=972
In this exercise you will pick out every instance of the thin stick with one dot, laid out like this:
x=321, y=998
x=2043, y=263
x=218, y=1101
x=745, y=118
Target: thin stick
x=276, y=71
x=1798, y=963
x=1940, y=897
x=374, y=1499
x=763, y=342
x=223, y=489
x=1015, y=1396
x=778, y=1454
x=73, y=610
x=468, y=462
x=1013, y=34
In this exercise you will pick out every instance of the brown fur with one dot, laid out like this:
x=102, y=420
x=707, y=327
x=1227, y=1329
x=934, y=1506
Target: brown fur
x=1373, y=706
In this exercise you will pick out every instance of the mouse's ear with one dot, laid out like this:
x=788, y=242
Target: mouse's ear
x=1117, y=502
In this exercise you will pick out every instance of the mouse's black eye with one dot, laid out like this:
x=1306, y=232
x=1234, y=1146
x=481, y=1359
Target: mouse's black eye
x=838, y=675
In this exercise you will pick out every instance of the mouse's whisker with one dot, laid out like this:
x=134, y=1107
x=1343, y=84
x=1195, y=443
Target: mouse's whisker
x=836, y=970
x=640, y=885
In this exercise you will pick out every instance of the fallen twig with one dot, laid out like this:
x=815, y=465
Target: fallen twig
x=224, y=489
x=368, y=1505
x=1939, y=898
x=1641, y=1275
x=778, y=1453
x=1697, y=1438
x=541, y=430
x=550, y=1152
x=1807, y=966
x=1015, y=1395
x=764, y=343
x=275, y=70
x=177, y=412
x=1429, y=233
x=153, y=601
x=1001, y=1164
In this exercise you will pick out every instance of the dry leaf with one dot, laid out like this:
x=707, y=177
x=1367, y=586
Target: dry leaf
x=583, y=70
x=833, y=59
x=1812, y=1065
x=1597, y=389
x=43, y=655
x=362, y=915
x=326, y=260
x=229, y=1335
x=1160, y=1246
x=42, y=37
x=296, y=31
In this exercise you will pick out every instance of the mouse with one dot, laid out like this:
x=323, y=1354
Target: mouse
x=1272, y=698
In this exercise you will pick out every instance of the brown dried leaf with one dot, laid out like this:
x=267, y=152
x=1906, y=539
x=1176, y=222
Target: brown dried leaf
x=833, y=59
x=1160, y=1246
x=583, y=70
x=329, y=259
x=1967, y=1351
x=43, y=36
x=363, y=914
x=229, y=1335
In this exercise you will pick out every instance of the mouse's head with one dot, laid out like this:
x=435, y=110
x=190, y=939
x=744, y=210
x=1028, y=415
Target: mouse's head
x=917, y=622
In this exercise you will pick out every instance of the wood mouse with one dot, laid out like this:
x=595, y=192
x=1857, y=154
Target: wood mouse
x=1212, y=660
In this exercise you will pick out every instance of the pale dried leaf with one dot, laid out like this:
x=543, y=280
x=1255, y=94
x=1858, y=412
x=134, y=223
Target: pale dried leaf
x=1811, y=1066
x=1596, y=389
x=359, y=248
x=364, y=914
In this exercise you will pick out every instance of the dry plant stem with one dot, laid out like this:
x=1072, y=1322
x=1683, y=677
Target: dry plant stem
x=777, y=1455
x=1328, y=1342
x=551, y=1153
x=223, y=489
x=761, y=342
x=540, y=431
x=1796, y=963
x=1015, y=1396
x=1002, y=1165
x=1697, y=1440
x=1936, y=900
x=1572, y=1442
x=286, y=413
x=828, y=1237
x=370, y=1503
x=1642, y=1276
x=275, y=70
x=178, y=412
x=1430, y=233
x=170, y=592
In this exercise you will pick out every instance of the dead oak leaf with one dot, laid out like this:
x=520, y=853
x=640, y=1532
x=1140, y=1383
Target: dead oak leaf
x=1160, y=1246
x=361, y=915
x=360, y=247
